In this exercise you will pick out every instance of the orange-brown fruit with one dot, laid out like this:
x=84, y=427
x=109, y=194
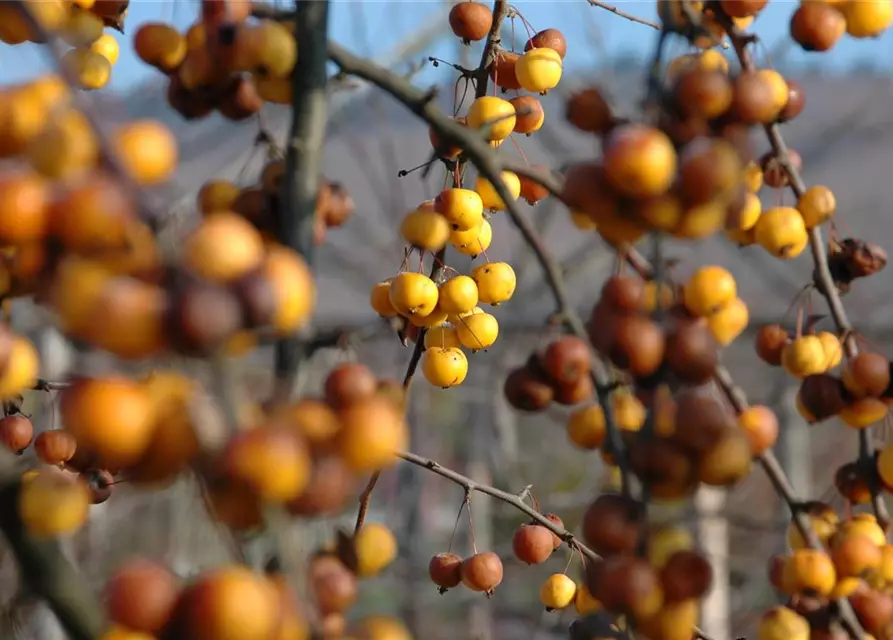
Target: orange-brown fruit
x=372, y=432
x=470, y=21
x=638, y=345
x=532, y=543
x=100, y=483
x=701, y=420
x=531, y=190
x=774, y=174
x=822, y=396
x=224, y=247
x=272, y=460
x=567, y=360
x=742, y=8
x=692, y=352
x=55, y=447
x=625, y=585
x=328, y=491
x=573, y=393
x=874, y=610
x=202, y=317
x=812, y=572
x=558, y=522
x=239, y=99
x=141, y=595
x=502, y=71
x=760, y=425
x=348, y=384
x=664, y=466
x=482, y=571
x=687, y=574
x=708, y=169
x=770, y=342
x=588, y=110
x=753, y=100
x=853, y=481
x=333, y=584
x=817, y=26
x=529, y=114
x=549, y=38
x=611, y=524
x=703, y=93
x=854, y=555
x=24, y=206
x=796, y=102
x=16, y=433
x=727, y=462
x=445, y=570
x=191, y=104
x=867, y=374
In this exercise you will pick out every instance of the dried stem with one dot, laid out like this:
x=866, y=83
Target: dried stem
x=623, y=14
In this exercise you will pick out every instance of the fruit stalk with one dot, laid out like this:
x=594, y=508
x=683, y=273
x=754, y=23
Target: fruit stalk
x=817, y=246
x=303, y=162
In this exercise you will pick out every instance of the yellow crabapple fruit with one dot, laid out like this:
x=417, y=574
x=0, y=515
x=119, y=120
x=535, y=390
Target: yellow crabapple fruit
x=804, y=356
x=463, y=209
x=867, y=18
x=539, y=69
x=586, y=427
x=782, y=232
x=433, y=319
x=708, y=290
x=496, y=282
x=833, y=349
x=444, y=367
x=413, y=294
x=425, y=229
x=558, y=592
x=82, y=28
x=91, y=69
x=729, y=322
x=458, y=295
x=380, y=299
x=495, y=115
x=490, y=197
x=107, y=47
x=477, y=331
x=455, y=318
x=817, y=205
x=22, y=369
x=639, y=161
x=443, y=336
x=473, y=242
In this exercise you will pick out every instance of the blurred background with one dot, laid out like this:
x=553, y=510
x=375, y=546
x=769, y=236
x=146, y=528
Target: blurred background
x=845, y=137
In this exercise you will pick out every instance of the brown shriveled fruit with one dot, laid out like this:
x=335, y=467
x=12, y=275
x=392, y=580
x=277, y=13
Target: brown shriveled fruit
x=692, y=352
x=611, y=524
x=588, y=111
x=770, y=342
x=550, y=39
x=867, y=374
x=202, y=317
x=664, y=466
x=445, y=570
x=573, y=393
x=482, y=571
x=701, y=420
x=822, y=396
x=774, y=174
x=624, y=293
x=328, y=491
x=687, y=574
x=333, y=585
x=141, y=595
x=626, y=585
x=853, y=481
x=239, y=99
x=638, y=345
x=532, y=543
x=727, y=462
x=527, y=390
x=873, y=609
x=470, y=21
x=100, y=483
x=348, y=384
x=567, y=360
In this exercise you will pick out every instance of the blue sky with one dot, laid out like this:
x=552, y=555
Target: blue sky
x=375, y=27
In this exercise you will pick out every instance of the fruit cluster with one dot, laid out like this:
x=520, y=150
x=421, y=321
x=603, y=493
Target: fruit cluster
x=260, y=203
x=559, y=374
x=853, y=561
x=224, y=62
x=695, y=173
x=819, y=26
x=80, y=24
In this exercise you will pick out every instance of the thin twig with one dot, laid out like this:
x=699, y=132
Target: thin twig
x=303, y=162
x=623, y=14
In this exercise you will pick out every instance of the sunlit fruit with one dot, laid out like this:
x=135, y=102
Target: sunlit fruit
x=868, y=18
x=426, y=230
x=557, y=592
x=708, y=290
x=271, y=460
x=107, y=47
x=780, y=623
x=812, y=571
x=482, y=571
x=477, y=331
x=490, y=197
x=458, y=295
x=375, y=547
x=463, y=209
x=817, y=205
x=538, y=70
x=782, y=232
x=496, y=282
x=16, y=433
x=92, y=70
x=532, y=543
x=495, y=116
x=804, y=356
x=294, y=288
x=24, y=207
x=529, y=114
x=55, y=447
x=754, y=98
x=224, y=247
x=53, y=503
x=729, y=322
x=147, y=150
x=444, y=569
x=413, y=294
x=472, y=242
x=470, y=21
x=444, y=366
x=111, y=418
x=372, y=432
x=760, y=425
x=22, y=368
x=81, y=28
x=586, y=427
x=141, y=595
x=639, y=161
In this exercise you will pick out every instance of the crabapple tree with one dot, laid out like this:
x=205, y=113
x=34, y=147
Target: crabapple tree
x=641, y=376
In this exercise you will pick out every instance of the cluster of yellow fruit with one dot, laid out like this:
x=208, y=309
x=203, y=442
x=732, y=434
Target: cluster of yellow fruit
x=712, y=293
x=225, y=61
x=854, y=561
x=449, y=314
x=79, y=23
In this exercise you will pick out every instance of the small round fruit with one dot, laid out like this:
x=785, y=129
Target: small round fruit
x=372, y=432
x=586, y=427
x=496, y=282
x=141, y=595
x=147, y=150
x=444, y=367
x=470, y=21
x=426, y=230
x=729, y=322
x=482, y=571
x=567, y=359
x=53, y=503
x=549, y=38
x=107, y=47
x=458, y=295
x=473, y=242
x=380, y=300
x=445, y=570
x=375, y=547
x=781, y=623
x=348, y=384
x=16, y=433
x=463, y=209
x=708, y=290
x=272, y=461
x=490, y=197
x=529, y=114
x=760, y=425
x=539, y=70
x=413, y=294
x=782, y=232
x=91, y=70
x=477, y=331
x=494, y=115
x=868, y=18
x=639, y=161
x=558, y=592
x=55, y=447
x=817, y=205
x=224, y=247
x=589, y=111
x=532, y=543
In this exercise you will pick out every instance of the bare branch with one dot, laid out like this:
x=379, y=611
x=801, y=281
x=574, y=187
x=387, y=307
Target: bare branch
x=623, y=14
